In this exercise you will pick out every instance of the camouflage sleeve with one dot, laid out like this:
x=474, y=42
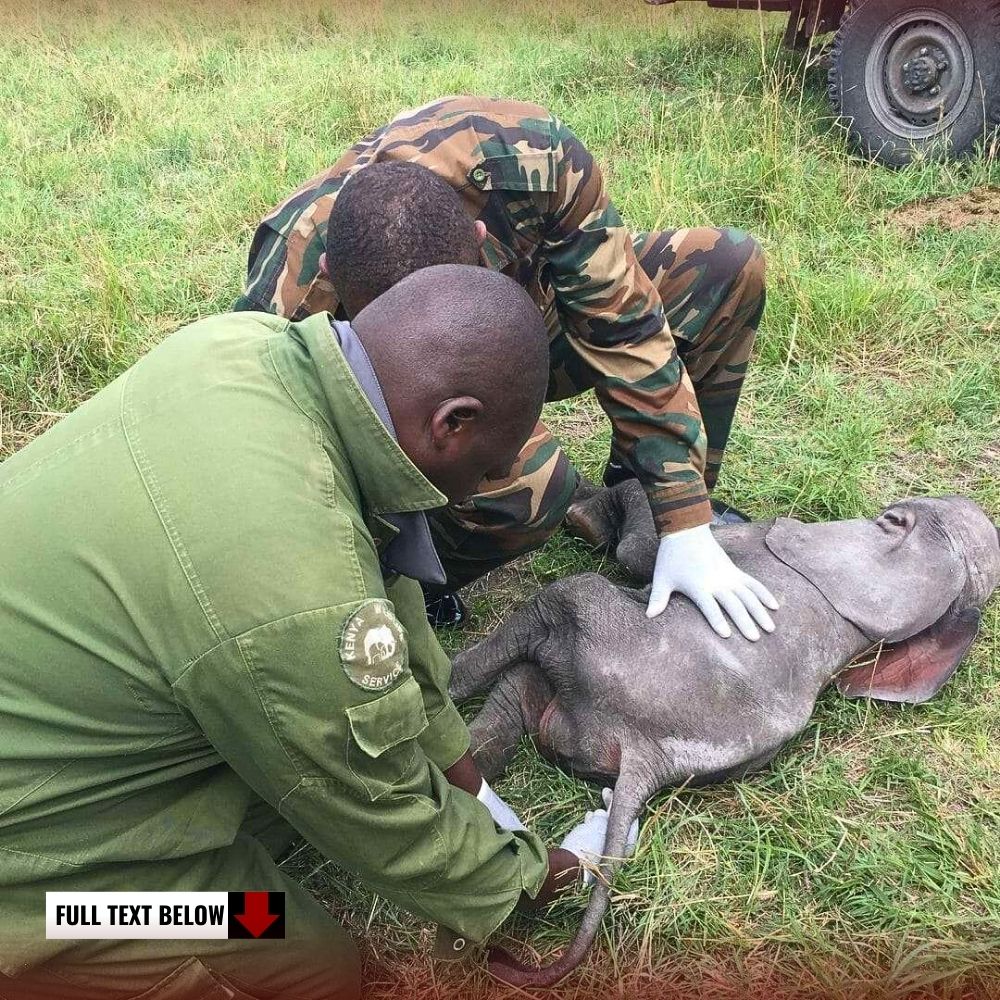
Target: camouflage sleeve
x=257, y=295
x=284, y=276
x=614, y=320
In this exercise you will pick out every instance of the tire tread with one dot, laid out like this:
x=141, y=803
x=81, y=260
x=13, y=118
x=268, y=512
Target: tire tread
x=835, y=86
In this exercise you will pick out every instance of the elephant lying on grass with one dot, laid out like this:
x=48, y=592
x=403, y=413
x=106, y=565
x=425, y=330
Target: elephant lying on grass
x=611, y=694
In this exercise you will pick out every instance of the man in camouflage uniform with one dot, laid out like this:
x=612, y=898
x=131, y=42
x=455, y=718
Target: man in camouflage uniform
x=660, y=325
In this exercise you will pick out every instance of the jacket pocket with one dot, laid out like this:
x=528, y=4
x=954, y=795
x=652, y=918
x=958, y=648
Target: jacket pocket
x=192, y=981
x=382, y=744
x=515, y=172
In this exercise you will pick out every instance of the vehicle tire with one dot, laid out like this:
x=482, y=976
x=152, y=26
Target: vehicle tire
x=918, y=77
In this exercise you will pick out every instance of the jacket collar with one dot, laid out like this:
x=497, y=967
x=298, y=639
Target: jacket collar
x=389, y=481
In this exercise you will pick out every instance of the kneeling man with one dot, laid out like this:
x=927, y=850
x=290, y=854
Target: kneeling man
x=211, y=640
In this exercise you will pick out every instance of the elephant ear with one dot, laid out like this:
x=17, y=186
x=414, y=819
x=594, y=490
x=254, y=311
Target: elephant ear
x=914, y=670
x=887, y=577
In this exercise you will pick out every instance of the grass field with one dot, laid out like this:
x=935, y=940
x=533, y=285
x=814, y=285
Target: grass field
x=139, y=146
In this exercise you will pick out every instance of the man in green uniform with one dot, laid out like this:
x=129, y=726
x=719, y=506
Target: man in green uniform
x=211, y=639
x=659, y=325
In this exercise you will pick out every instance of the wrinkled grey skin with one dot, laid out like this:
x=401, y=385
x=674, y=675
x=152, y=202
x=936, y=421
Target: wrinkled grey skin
x=611, y=694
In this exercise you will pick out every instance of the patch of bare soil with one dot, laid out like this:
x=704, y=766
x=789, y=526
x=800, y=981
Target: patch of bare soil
x=978, y=207
x=576, y=422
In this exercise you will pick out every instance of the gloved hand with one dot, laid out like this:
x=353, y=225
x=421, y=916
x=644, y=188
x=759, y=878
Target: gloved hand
x=693, y=563
x=587, y=839
x=502, y=814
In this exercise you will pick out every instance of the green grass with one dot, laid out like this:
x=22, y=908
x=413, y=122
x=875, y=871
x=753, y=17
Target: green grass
x=139, y=147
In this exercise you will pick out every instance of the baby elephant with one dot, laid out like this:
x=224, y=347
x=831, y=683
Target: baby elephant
x=657, y=702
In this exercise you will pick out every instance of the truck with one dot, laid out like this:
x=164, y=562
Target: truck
x=908, y=79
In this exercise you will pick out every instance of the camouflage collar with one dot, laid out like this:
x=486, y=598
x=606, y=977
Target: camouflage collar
x=495, y=255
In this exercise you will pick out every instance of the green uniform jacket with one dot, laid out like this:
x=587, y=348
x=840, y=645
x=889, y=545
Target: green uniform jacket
x=192, y=615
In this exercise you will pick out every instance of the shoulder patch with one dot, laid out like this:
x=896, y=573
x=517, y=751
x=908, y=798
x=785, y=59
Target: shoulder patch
x=373, y=650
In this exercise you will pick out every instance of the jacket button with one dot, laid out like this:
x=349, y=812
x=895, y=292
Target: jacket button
x=479, y=175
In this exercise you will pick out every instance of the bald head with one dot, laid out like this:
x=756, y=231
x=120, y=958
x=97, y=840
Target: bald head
x=462, y=356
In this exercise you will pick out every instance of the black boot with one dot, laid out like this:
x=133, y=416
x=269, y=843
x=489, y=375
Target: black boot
x=445, y=609
x=722, y=513
x=615, y=473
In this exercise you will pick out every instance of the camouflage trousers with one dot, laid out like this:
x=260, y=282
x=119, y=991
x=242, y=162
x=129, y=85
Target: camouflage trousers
x=711, y=283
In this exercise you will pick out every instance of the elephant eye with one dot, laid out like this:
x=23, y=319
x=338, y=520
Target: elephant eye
x=897, y=518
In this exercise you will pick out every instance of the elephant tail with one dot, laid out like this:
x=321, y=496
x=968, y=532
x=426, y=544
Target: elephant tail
x=631, y=793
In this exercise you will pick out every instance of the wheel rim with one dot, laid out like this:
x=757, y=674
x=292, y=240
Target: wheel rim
x=920, y=73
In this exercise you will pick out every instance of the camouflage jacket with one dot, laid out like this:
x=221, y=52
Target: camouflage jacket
x=551, y=227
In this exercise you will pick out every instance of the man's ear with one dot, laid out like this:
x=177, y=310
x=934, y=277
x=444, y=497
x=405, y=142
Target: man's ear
x=914, y=670
x=322, y=265
x=480, y=233
x=453, y=420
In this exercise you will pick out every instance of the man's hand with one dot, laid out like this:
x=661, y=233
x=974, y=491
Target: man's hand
x=586, y=840
x=465, y=774
x=502, y=814
x=694, y=564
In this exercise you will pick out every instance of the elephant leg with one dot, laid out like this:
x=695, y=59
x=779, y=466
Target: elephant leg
x=594, y=515
x=475, y=669
x=512, y=711
x=638, y=542
x=617, y=519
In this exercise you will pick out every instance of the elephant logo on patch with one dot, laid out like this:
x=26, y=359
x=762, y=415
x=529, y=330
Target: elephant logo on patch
x=379, y=645
x=373, y=649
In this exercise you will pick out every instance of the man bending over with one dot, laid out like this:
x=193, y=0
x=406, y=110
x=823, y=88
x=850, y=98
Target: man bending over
x=659, y=325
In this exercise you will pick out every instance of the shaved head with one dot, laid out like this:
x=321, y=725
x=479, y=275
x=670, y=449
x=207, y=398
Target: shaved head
x=390, y=220
x=461, y=353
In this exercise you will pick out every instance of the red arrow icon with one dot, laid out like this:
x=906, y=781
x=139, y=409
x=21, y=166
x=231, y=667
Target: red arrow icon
x=256, y=916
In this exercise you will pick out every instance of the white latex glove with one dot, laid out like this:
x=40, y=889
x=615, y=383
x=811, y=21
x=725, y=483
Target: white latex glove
x=586, y=840
x=502, y=814
x=693, y=563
